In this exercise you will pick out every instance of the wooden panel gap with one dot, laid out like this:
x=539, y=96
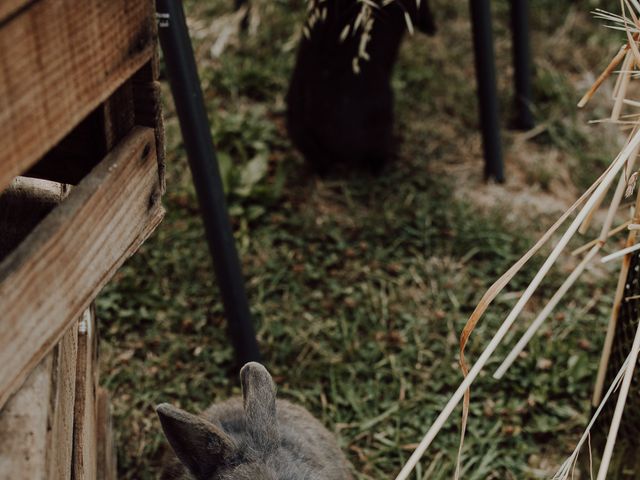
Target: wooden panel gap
x=87, y=144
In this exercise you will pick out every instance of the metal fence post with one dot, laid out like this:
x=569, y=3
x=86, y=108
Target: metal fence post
x=521, y=63
x=487, y=95
x=194, y=124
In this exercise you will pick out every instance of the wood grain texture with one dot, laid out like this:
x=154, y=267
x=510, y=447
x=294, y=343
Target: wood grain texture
x=62, y=404
x=23, y=427
x=53, y=275
x=147, y=98
x=107, y=462
x=85, y=448
x=36, y=424
x=12, y=8
x=118, y=115
x=59, y=59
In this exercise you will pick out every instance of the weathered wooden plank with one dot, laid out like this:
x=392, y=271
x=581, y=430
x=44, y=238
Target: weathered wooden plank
x=36, y=424
x=43, y=409
x=85, y=449
x=107, y=461
x=62, y=400
x=11, y=8
x=118, y=115
x=54, y=274
x=59, y=59
x=23, y=427
x=147, y=98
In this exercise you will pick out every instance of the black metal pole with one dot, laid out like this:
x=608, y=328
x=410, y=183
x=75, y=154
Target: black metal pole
x=521, y=63
x=487, y=95
x=194, y=124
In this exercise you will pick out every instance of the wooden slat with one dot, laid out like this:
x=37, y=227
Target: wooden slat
x=107, y=462
x=147, y=98
x=42, y=411
x=55, y=273
x=60, y=435
x=59, y=59
x=36, y=424
x=23, y=427
x=85, y=448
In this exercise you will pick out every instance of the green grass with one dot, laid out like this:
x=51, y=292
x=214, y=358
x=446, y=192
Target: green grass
x=360, y=286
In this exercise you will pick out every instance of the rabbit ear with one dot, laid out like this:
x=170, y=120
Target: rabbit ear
x=199, y=444
x=259, y=394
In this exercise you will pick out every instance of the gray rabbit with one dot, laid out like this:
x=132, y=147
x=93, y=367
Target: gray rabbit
x=255, y=437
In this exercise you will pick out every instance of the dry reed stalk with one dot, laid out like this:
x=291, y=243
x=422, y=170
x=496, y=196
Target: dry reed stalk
x=490, y=295
x=611, y=328
x=626, y=64
x=615, y=310
x=621, y=253
x=565, y=469
x=604, y=75
x=571, y=279
x=622, y=84
x=615, y=61
x=462, y=391
x=617, y=198
x=546, y=311
x=623, y=226
x=588, y=202
x=620, y=190
x=631, y=38
x=587, y=221
x=494, y=290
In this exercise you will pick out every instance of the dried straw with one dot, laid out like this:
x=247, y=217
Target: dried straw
x=602, y=184
x=629, y=55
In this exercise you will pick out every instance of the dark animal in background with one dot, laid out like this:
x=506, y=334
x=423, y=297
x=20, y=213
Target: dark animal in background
x=337, y=116
x=252, y=438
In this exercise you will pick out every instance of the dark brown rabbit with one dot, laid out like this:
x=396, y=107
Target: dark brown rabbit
x=255, y=437
x=336, y=116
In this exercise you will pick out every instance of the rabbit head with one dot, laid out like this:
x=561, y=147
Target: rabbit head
x=208, y=452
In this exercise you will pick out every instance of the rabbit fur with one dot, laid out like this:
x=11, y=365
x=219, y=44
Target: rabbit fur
x=256, y=437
